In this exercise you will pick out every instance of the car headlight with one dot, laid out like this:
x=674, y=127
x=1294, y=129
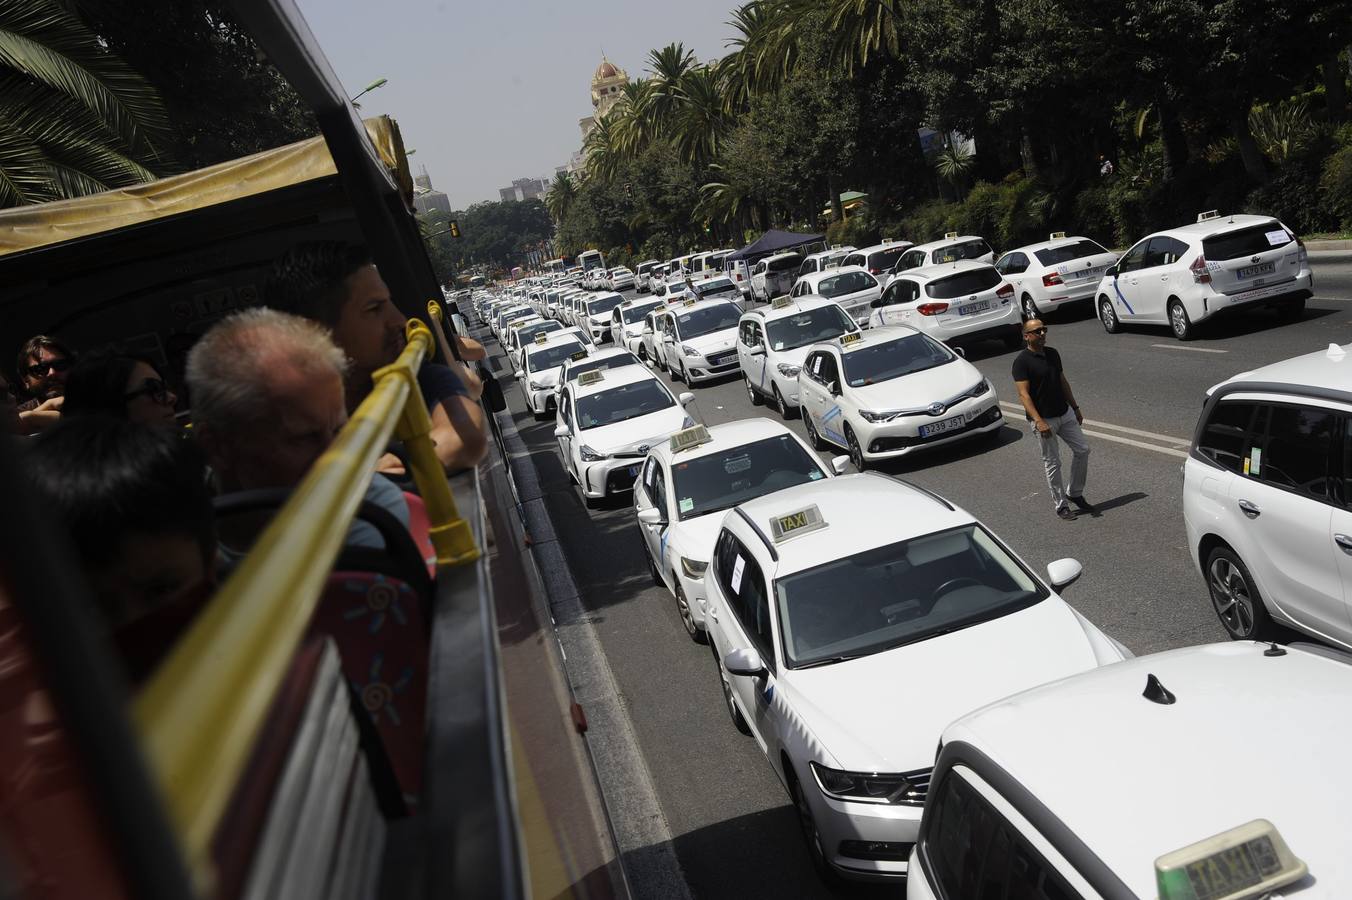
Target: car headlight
x=590, y=455
x=693, y=568
x=981, y=389
x=867, y=787
x=870, y=416
x=787, y=370
x=688, y=350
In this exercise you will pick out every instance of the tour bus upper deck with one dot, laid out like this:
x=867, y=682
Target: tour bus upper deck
x=158, y=773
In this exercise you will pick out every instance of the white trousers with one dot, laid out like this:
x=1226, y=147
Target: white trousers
x=1064, y=428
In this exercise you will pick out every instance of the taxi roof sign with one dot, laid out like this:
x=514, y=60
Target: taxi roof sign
x=800, y=521
x=781, y=302
x=688, y=438
x=1056, y=236
x=542, y=337
x=1209, y=214
x=581, y=354
x=594, y=376
x=950, y=235
x=850, y=337
x=1246, y=862
x=690, y=301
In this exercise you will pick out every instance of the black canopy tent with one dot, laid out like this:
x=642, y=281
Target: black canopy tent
x=774, y=241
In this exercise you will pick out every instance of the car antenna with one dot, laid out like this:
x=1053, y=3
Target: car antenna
x=1274, y=650
x=1156, y=692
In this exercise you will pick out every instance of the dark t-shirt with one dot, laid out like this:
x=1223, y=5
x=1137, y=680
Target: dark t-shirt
x=437, y=382
x=1042, y=371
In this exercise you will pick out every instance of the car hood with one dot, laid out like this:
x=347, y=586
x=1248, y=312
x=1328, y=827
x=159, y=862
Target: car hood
x=713, y=342
x=794, y=357
x=919, y=389
x=695, y=537
x=629, y=435
x=885, y=712
x=547, y=377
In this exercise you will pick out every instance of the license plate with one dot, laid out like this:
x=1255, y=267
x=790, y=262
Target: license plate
x=1084, y=273
x=971, y=308
x=940, y=427
x=1250, y=271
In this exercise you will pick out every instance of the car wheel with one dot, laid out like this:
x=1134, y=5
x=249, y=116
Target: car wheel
x=687, y=617
x=643, y=355
x=652, y=567
x=751, y=393
x=660, y=360
x=785, y=411
x=1179, y=321
x=1236, y=599
x=738, y=721
x=811, y=834
x=813, y=439
x=856, y=452
x=1028, y=307
x=1108, y=316
x=1291, y=310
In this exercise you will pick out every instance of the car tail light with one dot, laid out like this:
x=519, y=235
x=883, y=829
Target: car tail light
x=1006, y=291
x=931, y=309
x=1199, y=271
x=1051, y=279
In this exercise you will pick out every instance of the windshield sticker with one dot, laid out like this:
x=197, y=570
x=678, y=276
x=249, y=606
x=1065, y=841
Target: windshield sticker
x=1255, y=461
x=737, y=568
x=1278, y=237
x=687, y=504
x=737, y=464
x=815, y=474
x=779, y=345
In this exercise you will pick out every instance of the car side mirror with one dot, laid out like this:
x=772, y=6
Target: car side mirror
x=839, y=464
x=833, y=388
x=518, y=374
x=1111, y=271
x=745, y=662
x=651, y=516
x=686, y=398
x=960, y=351
x=1062, y=573
x=561, y=431
x=756, y=350
x=876, y=302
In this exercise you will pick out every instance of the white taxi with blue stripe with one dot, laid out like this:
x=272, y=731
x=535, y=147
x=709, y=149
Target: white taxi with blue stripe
x=608, y=420
x=688, y=482
x=773, y=341
x=845, y=642
x=889, y=391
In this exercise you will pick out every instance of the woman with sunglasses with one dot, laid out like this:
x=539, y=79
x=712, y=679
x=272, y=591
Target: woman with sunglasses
x=124, y=386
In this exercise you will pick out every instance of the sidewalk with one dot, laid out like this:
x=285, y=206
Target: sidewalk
x=1329, y=246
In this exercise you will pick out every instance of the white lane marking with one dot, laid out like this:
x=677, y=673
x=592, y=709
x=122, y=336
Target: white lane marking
x=1186, y=347
x=1091, y=423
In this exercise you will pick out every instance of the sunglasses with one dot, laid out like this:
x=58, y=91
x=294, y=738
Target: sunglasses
x=1036, y=331
x=155, y=388
x=40, y=368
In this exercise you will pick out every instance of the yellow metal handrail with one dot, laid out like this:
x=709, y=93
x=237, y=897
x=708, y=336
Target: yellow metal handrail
x=200, y=713
x=436, y=316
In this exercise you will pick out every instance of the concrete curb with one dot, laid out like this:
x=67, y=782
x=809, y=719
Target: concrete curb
x=647, y=855
x=1329, y=246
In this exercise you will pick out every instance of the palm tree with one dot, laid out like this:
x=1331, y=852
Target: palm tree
x=559, y=199
x=764, y=50
x=74, y=119
x=603, y=149
x=858, y=29
x=668, y=66
x=702, y=116
x=633, y=114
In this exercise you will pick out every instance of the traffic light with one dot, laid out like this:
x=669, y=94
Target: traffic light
x=455, y=229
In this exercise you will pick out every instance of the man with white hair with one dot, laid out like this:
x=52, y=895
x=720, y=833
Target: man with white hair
x=267, y=401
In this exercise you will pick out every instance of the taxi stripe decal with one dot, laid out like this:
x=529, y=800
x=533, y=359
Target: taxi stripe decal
x=832, y=413
x=1118, y=290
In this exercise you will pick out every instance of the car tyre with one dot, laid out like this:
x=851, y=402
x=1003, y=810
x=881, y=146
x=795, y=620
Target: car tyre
x=856, y=451
x=1028, y=307
x=751, y=393
x=811, y=835
x=1235, y=598
x=814, y=440
x=687, y=617
x=738, y=721
x=652, y=567
x=1108, y=316
x=1178, y=321
x=785, y=411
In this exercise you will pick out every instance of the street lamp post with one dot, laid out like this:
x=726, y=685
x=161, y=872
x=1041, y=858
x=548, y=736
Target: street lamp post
x=378, y=83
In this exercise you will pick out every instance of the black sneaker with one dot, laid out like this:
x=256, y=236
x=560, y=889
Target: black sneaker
x=1065, y=512
x=1083, y=504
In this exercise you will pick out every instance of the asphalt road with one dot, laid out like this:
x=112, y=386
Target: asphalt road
x=734, y=831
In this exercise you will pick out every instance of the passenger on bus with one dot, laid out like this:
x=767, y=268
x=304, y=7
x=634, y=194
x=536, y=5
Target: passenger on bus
x=267, y=391
x=337, y=285
x=127, y=387
x=135, y=505
x=43, y=365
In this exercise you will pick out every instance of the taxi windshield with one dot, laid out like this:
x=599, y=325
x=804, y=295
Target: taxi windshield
x=553, y=357
x=899, y=594
x=708, y=319
x=636, y=313
x=904, y=356
x=605, y=362
x=506, y=317
x=1054, y=256
x=619, y=404
x=808, y=327
x=724, y=479
x=526, y=333
x=604, y=305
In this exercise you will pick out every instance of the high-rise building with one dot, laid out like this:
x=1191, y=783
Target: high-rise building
x=425, y=197
x=524, y=189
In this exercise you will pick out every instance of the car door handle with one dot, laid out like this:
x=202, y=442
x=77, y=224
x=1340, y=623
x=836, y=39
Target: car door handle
x=1344, y=543
x=1249, y=509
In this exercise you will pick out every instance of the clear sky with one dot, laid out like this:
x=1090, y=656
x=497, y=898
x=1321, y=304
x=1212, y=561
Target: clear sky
x=488, y=91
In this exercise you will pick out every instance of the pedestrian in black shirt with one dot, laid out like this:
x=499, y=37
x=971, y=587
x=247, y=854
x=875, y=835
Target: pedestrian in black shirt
x=1049, y=404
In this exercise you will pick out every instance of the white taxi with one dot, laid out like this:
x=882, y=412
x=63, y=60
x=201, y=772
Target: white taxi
x=845, y=641
x=852, y=287
x=687, y=482
x=1217, y=771
x=773, y=341
x=608, y=420
x=651, y=334
x=541, y=362
x=502, y=318
x=891, y=390
x=1055, y=273
x=697, y=339
x=626, y=322
x=952, y=248
x=594, y=315
x=524, y=330
x=954, y=302
x=609, y=358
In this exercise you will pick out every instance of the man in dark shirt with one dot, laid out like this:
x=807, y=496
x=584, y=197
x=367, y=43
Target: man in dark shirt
x=1049, y=404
